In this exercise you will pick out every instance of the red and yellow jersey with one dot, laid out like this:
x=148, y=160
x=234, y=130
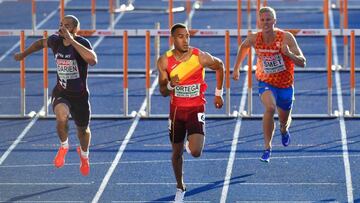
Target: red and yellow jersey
x=192, y=87
x=272, y=65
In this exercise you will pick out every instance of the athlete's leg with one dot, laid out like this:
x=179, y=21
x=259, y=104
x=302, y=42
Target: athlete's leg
x=269, y=104
x=285, y=98
x=177, y=132
x=62, y=113
x=195, y=126
x=284, y=119
x=80, y=112
x=196, y=144
x=84, y=135
x=177, y=163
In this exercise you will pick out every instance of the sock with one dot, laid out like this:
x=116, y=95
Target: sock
x=65, y=143
x=84, y=154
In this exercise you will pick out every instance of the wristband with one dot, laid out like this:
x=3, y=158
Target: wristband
x=218, y=92
x=169, y=87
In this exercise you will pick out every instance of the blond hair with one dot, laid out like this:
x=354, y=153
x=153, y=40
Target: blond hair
x=267, y=9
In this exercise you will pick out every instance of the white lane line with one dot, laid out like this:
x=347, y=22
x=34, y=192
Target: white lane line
x=36, y=184
x=100, y=39
x=260, y=183
x=345, y=152
x=235, y=141
x=27, y=128
x=142, y=201
x=282, y=201
x=191, y=14
x=233, y=147
x=19, y=138
x=37, y=27
x=44, y=201
x=122, y=147
x=190, y=160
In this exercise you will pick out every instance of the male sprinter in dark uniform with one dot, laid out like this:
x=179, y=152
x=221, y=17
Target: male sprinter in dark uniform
x=181, y=75
x=70, y=96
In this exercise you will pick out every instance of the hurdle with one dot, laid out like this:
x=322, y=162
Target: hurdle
x=112, y=9
x=22, y=114
x=148, y=34
x=345, y=26
x=44, y=114
x=62, y=4
x=239, y=21
x=352, y=73
x=351, y=113
x=22, y=76
x=45, y=77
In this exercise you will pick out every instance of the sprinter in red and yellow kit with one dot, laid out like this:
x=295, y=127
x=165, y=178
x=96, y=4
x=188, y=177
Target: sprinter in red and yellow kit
x=277, y=53
x=181, y=76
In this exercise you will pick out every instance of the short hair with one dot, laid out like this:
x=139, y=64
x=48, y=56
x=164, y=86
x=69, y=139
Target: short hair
x=74, y=20
x=267, y=9
x=176, y=26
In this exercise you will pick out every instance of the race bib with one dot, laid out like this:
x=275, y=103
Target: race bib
x=67, y=70
x=273, y=64
x=187, y=90
x=201, y=117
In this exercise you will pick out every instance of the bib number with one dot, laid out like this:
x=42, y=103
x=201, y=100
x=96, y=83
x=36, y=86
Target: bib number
x=273, y=64
x=187, y=91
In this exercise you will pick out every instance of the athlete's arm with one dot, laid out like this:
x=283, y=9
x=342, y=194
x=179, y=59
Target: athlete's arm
x=291, y=49
x=87, y=54
x=216, y=64
x=242, y=52
x=166, y=86
x=34, y=47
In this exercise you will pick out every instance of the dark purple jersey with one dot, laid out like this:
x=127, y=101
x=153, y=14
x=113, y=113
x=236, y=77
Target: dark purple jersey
x=71, y=67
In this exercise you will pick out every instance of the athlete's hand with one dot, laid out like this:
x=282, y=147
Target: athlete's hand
x=236, y=74
x=18, y=56
x=66, y=34
x=218, y=102
x=174, y=81
x=285, y=50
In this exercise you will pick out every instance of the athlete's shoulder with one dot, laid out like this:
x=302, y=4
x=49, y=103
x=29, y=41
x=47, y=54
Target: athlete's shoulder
x=54, y=41
x=54, y=38
x=162, y=61
x=195, y=50
x=82, y=40
x=286, y=33
x=251, y=36
x=169, y=53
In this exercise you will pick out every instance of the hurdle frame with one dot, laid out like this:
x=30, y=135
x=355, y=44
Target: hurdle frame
x=212, y=33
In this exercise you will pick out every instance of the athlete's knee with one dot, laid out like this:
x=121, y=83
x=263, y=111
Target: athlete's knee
x=62, y=117
x=83, y=129
x=196, y=153
x=62, y=125
x=62, y=112
x=270, y=109
x=176, y=156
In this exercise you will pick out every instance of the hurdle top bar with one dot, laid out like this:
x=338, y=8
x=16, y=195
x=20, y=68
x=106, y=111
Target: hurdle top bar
x=166, y=32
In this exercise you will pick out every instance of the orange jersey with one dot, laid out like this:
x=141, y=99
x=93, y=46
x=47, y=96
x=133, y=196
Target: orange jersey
x=192, y=87
x=272, y=65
